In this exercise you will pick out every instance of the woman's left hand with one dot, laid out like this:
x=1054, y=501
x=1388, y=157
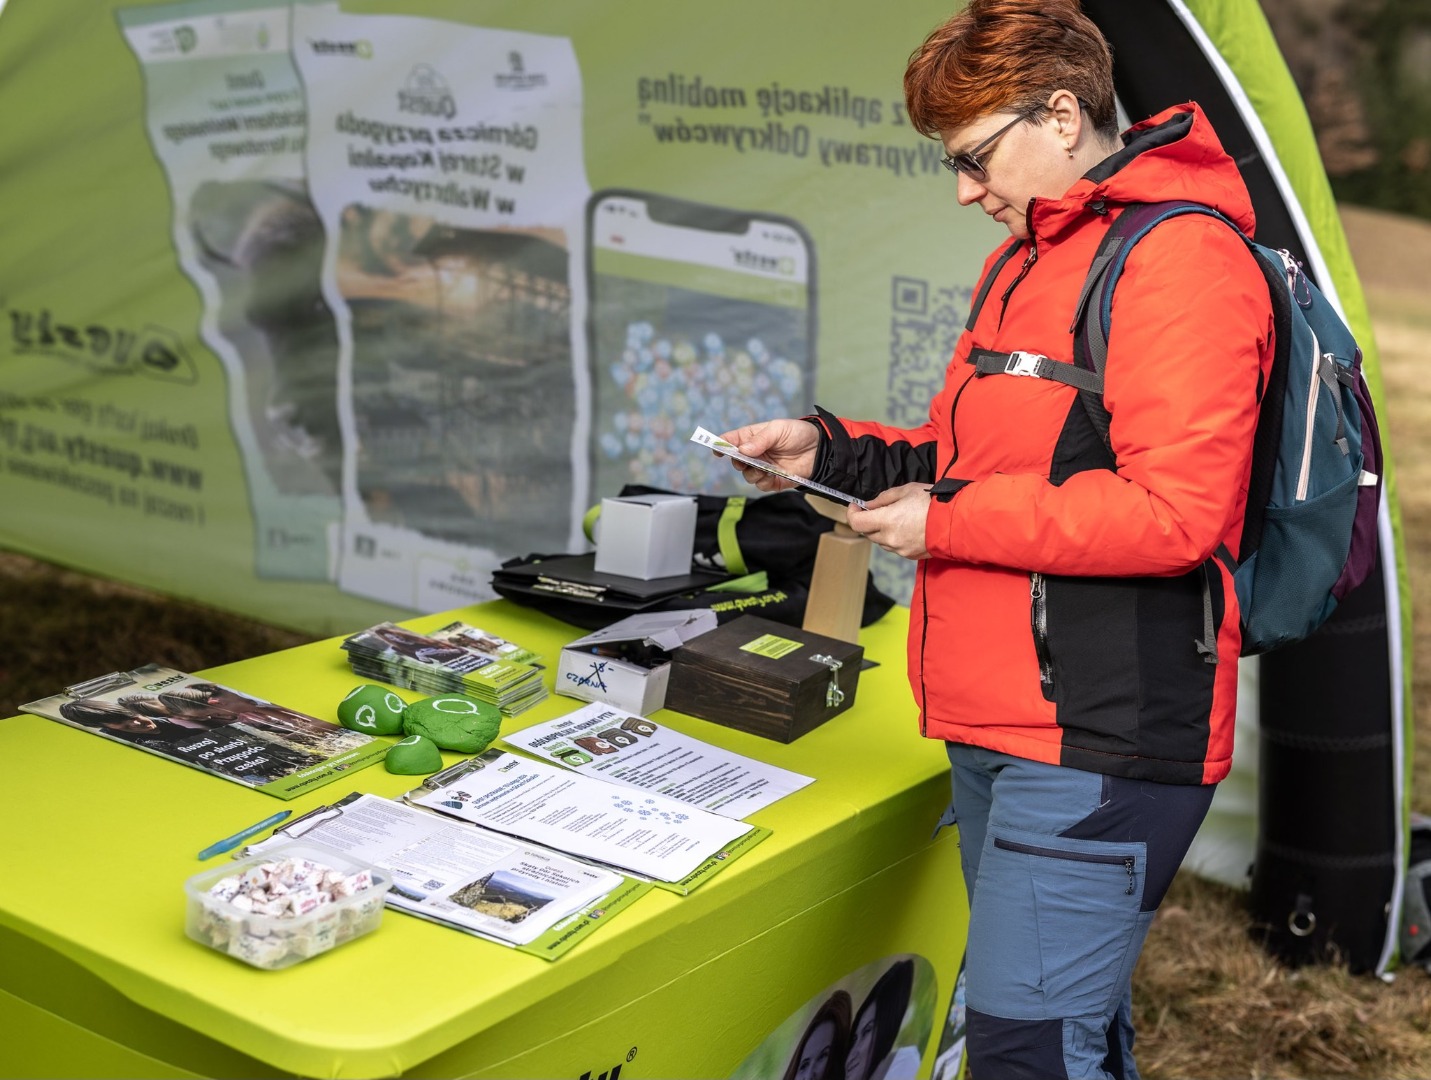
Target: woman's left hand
x=895, y=520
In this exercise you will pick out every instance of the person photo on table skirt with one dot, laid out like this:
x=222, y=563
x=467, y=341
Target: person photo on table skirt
x=1073, y=637
x=819, y=1055
x=871, y=1054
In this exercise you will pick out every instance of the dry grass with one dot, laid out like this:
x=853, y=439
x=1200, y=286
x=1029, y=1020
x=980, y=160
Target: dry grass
x=1209, y=1002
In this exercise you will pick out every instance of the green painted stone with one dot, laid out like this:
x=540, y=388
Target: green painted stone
x=373, y=710
x=413, y=756
x=453, y=722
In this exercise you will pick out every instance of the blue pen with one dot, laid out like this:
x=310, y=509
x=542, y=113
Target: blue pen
x=228, y=843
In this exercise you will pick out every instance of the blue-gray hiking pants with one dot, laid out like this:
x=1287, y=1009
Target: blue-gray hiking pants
x=1065, y=870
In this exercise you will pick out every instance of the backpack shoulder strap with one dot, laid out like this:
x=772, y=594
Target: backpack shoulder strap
x=1090, y=345
x=988, y=283
x=1094, y=312
x=1271, y=397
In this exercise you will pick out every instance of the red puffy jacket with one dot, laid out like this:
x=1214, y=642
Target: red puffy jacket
x=1062, y=615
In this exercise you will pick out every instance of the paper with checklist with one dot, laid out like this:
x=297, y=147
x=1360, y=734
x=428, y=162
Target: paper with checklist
x=649, y=834
x=631, y=750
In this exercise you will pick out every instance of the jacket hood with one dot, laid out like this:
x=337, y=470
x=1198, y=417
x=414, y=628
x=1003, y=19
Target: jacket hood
x=1173, y=155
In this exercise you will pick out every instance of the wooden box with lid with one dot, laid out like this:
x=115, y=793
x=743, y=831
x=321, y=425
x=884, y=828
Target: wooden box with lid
x=764, y=677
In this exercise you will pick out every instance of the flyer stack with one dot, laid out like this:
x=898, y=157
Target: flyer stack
x=456, y=659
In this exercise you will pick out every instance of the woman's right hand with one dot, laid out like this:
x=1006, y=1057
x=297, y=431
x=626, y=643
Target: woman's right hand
x=790, y=445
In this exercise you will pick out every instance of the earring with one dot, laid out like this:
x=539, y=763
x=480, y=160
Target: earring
x=1069, y=149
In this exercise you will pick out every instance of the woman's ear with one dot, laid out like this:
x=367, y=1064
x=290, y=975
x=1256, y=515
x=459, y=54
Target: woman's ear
x=1067, y=115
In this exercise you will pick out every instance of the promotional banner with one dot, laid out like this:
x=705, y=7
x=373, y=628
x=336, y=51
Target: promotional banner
x=226, y=117
x=371, y=301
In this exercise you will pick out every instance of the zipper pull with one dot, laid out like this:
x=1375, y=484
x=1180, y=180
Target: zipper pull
x=1029, y=260
x=1128, y=866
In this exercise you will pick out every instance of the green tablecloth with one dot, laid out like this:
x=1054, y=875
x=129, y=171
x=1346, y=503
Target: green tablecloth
x=99, y=979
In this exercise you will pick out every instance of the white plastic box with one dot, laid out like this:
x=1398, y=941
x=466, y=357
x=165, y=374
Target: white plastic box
x=596, y=667
x=646, y=536
x=306, y=928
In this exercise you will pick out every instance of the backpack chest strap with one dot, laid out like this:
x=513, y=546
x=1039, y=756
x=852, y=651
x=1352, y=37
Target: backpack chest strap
x=1035, y=365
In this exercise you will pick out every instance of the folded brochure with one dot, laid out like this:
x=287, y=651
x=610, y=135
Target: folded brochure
x=214, y=728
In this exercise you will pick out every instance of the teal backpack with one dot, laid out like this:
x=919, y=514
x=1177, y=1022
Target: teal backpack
x=1310, y=532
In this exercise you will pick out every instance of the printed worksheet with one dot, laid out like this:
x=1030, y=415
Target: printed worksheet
x=454, y=874
x=649, y=834
x=635, y=752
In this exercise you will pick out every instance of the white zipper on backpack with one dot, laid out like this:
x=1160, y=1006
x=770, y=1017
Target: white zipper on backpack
x=1304, y=477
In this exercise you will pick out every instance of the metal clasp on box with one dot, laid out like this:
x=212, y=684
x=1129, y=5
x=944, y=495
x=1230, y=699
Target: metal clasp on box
x=834, y=696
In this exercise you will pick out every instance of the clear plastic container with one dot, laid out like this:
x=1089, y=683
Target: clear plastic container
x=305, y=915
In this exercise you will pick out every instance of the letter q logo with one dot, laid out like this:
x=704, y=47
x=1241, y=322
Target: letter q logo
x=455, y=705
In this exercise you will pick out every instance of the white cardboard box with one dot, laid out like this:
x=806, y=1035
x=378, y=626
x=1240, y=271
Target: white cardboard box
x=646, y=536
x=584, y=672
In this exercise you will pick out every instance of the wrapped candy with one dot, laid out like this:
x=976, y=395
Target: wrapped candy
x=274, y=912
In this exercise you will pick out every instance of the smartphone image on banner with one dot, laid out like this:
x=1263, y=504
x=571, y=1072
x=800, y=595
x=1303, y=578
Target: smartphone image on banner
x=699, y=316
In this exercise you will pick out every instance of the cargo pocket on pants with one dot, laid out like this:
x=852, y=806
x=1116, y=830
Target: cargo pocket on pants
x=1086, y=898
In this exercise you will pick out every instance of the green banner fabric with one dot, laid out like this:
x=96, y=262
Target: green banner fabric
x=318, y=314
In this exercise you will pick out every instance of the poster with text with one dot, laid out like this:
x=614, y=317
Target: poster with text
x=446, y=166
x=374, y=297
x=227, y=120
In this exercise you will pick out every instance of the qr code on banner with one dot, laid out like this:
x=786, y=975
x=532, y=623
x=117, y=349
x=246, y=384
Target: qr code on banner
x=924, y=323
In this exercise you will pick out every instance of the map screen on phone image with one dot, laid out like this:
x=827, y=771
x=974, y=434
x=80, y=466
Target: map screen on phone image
x=691, y=326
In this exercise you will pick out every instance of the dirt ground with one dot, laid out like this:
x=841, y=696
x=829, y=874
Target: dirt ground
x=1210, y=1003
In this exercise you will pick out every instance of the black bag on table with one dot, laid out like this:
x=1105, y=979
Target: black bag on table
x=767, y=544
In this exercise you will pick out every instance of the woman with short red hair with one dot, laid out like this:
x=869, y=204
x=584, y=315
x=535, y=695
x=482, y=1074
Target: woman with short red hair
x=1073, y=633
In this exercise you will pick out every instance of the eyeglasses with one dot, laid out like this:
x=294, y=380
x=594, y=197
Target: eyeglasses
x=967, y=161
